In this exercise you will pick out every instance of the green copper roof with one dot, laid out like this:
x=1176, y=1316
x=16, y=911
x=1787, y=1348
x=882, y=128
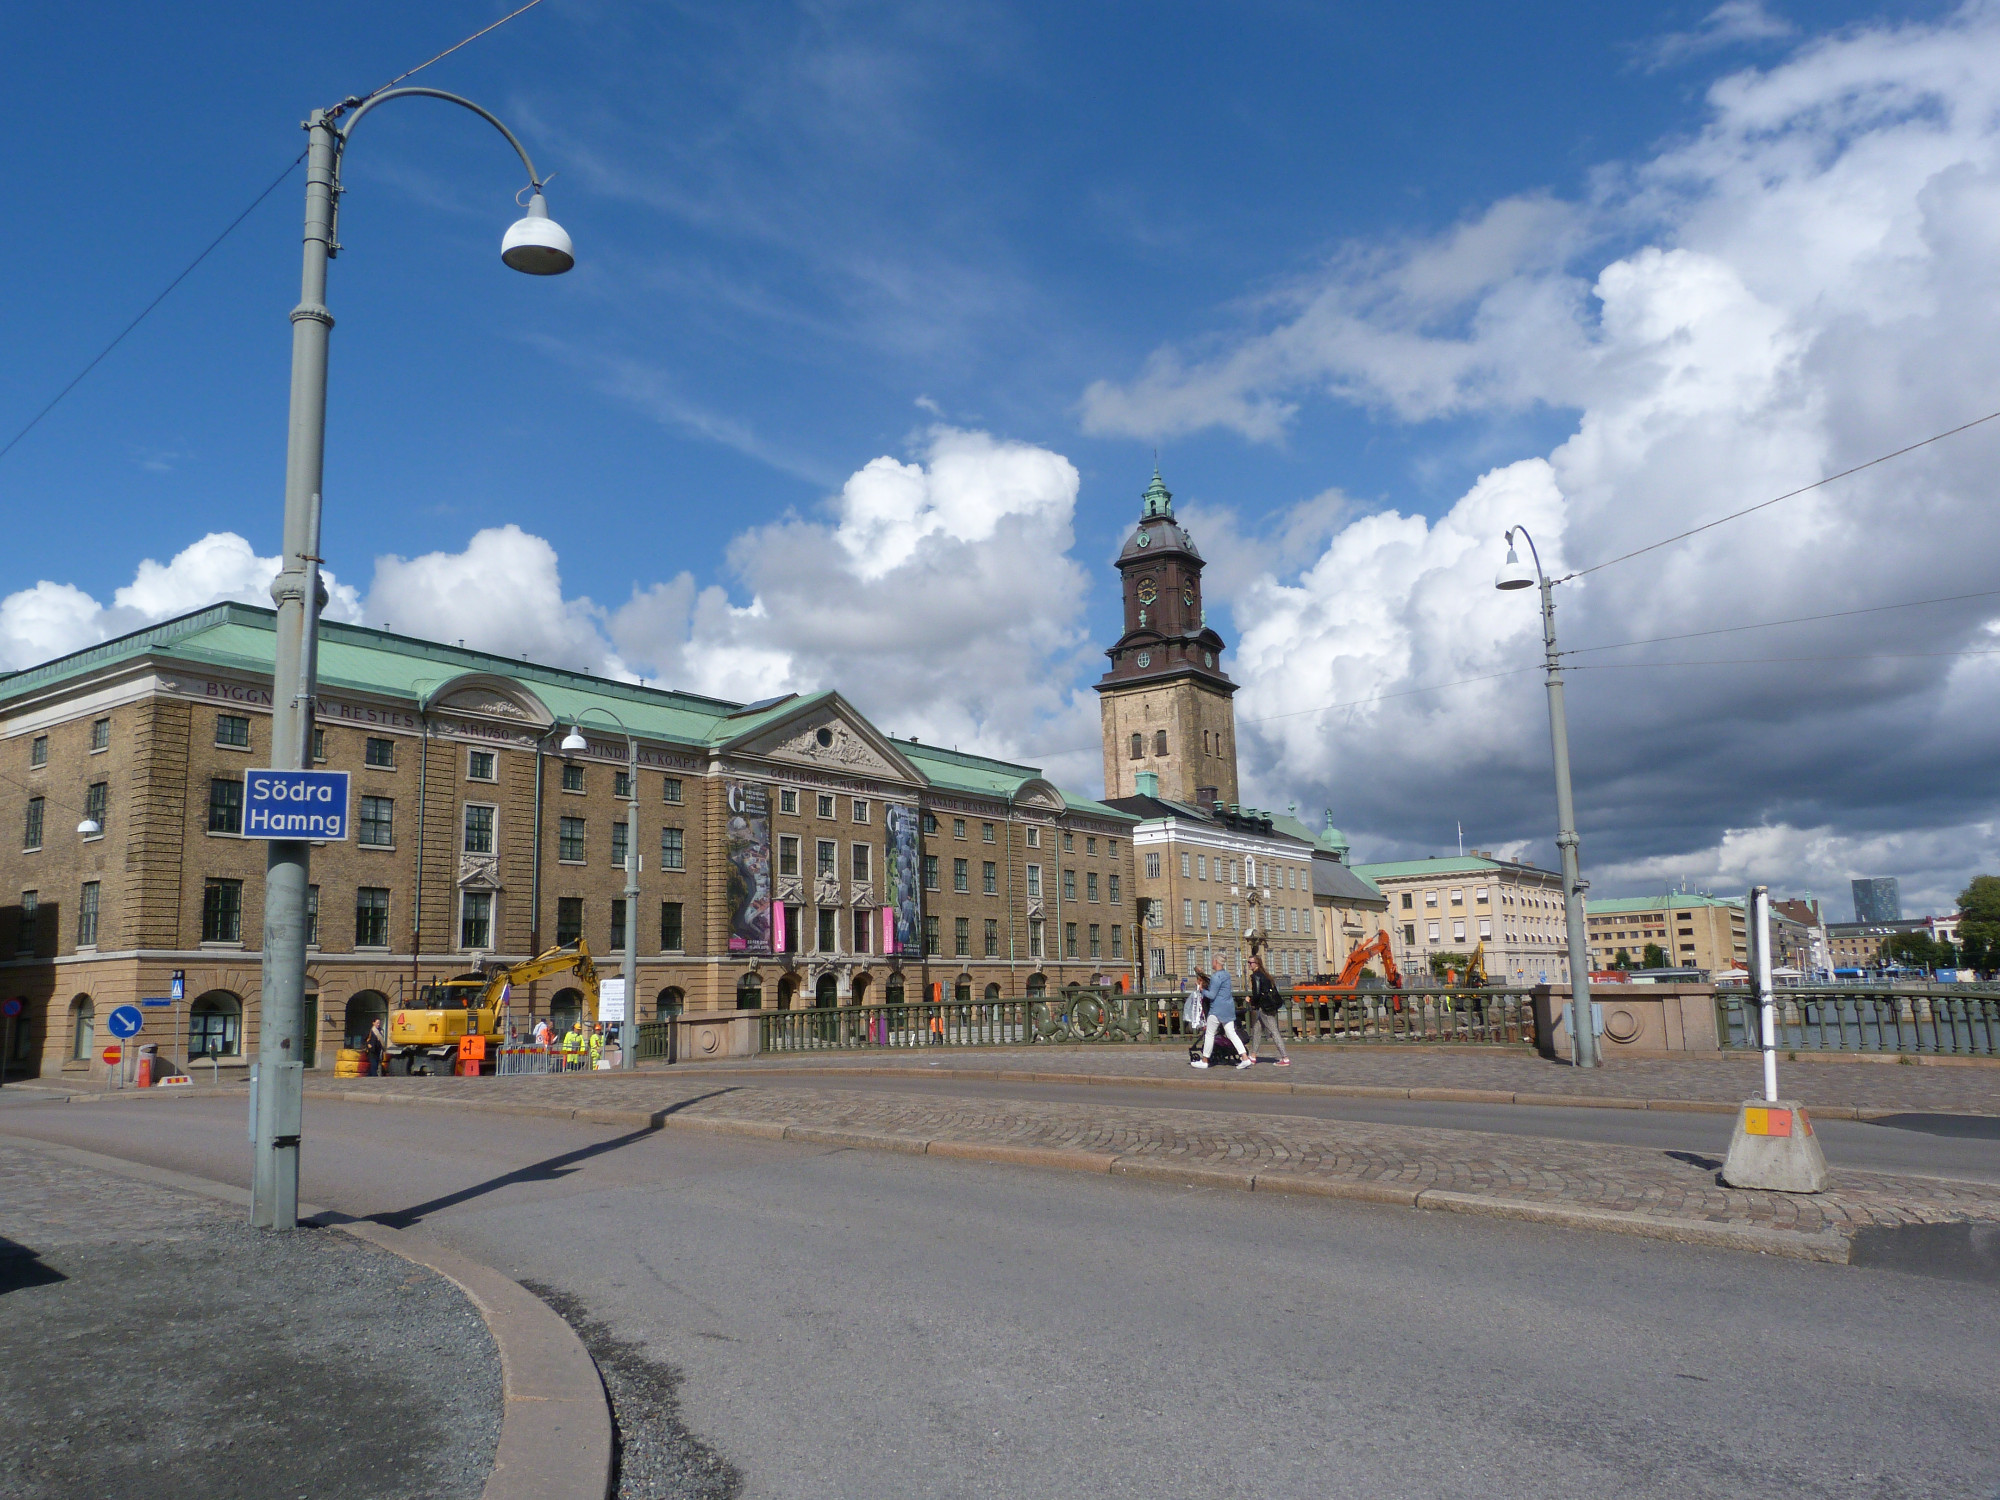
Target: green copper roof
x=1444, y=864
x=1607, y=906
x=1159, y=500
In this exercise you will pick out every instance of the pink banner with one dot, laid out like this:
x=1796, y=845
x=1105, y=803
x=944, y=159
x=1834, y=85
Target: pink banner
x=778, y=927
x=889, y=930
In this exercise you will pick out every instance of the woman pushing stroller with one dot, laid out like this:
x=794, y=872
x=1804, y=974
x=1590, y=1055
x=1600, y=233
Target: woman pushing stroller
x=1221, y=1004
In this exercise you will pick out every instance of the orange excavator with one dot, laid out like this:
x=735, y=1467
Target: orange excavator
x=1350, y=972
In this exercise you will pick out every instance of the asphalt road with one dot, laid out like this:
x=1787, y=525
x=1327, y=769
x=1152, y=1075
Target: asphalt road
x=855, y=1323
x=1964, y=1146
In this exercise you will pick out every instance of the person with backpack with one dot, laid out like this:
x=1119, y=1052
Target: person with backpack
x=1221, y=1017
x=1265, y=1003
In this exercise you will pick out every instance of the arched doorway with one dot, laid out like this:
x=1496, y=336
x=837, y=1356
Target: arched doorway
x=992, y=992
x=82, y=1029
x=857, y=990
x=215, y=1026
x=895, y=989
x=750, y=992
x=788, y=991
x=1038, y=986
x=962, y=990
x=364, y=1009
x=827, y=991
x=565, y=1010
x=671, y=1002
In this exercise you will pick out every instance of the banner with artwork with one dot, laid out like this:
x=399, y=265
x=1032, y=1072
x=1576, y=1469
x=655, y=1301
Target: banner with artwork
x=747, y=843
x=904, y=889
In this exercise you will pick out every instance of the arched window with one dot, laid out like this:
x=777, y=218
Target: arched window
x=670, y=1004
x=827, y=991
x=962, y=991
x=215, y=1026
x=565, y=1009
x=894, y=993
x=1159, y=742
x=750, y=992
x=82, y=1028
x=857, y=990
x=364, y=1009
x=992, y=992
x=788, y=990
x=1038, y=986
x=1138, y=746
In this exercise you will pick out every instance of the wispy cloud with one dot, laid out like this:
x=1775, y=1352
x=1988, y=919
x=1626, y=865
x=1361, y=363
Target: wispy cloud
x=1735, y=23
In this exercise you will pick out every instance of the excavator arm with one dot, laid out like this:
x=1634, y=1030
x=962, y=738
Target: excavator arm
x=573, y=958
x=1375, y=947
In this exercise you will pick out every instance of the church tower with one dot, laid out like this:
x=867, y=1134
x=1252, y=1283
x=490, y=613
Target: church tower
x=1166, y=699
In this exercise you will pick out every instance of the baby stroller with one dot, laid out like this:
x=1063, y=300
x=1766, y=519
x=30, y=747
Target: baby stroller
x=1224, y=1054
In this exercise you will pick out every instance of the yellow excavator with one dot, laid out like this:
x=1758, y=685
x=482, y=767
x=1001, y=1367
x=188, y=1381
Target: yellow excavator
x=423, y=1038
x=1474, y=975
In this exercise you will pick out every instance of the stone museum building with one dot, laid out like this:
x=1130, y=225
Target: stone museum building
x=791, y=854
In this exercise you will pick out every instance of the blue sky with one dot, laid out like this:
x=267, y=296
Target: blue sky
x=812, y=237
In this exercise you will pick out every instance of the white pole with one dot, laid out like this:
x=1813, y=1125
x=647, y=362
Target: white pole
x=1760, y=977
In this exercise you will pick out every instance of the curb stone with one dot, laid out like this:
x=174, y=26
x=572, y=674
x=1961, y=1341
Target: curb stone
x=1830, y=1247
x=555, y=1423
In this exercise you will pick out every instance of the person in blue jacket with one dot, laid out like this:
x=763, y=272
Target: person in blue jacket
x=1221, y=1017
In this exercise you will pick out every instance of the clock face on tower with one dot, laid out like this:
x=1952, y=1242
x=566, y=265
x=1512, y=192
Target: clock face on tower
x=1187, y=597
x=1147, y=591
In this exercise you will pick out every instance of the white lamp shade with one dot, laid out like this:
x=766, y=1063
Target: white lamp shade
x=89, y=828
x=1514, y=574
x=574, y=742
x=537, y=243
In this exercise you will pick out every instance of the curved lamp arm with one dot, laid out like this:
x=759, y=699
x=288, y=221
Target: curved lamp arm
x=1533, y=550
x=361, y=107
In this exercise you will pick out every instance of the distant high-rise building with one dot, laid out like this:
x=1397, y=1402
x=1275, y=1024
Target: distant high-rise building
x=1878, y=900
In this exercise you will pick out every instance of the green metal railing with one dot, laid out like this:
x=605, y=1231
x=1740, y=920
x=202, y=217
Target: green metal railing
x=1933, y=1019
x=655, y=1041
x=1492, y=1016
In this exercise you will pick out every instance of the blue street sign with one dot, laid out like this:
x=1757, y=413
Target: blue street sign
x=295, y=805
x=178, y=988
x=156, y=1000
x=126, y=1021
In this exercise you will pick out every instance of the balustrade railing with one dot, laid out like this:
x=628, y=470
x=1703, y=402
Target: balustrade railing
x=1936, y=1019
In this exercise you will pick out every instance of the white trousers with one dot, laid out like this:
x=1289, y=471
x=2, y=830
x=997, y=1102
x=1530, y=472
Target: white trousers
x=1208, y=1036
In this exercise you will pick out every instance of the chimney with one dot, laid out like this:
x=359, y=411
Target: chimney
x=1147, y=783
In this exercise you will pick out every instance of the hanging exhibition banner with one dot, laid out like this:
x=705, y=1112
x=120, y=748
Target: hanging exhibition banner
x=904, y=890
x=748, y=845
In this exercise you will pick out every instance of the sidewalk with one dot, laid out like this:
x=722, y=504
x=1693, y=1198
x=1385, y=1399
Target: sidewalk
x=1673, y=1195
x=154, y=1345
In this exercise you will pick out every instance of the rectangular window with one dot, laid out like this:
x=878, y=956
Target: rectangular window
x=930, y=872
x=225, y=806
x=96, y=798
x=378, y=821
x=930, y=823
x=1035, y=939
x=475, y=919
x=986, y=832
x=670, y=927
x=825, y=805
x=1430, y=898
x=621, y=785
x=1190, y=960
x=1034, y=838
x=221, y=912
x=232, y=730
x=989, y=878
x=621, y=844
x=1152, y=867
x=569, y=839
x=961, y=937
x=829, y=929
x=1090, y=845
x=1201, y=867
x=1034, y=882
x=1069, y=885
x=1114, y=890
x=826, y=859
x=788, y=800
x=864, y=924
x=992, y=937
x=958, y=828
x=1090, y=885
x=31, y=916
x=1409, y=901
x=1069, y=940
x=478, y=829
x=862, y=861
x=1485, y=927
x=1202, y=909
x=100, y=735
x=670, y=789
x=371, y=917
x=1117, y=940
x=319, y=744
x=379, y=752
x=673, y=852
x=1433, y=932
x=569, y=919
x=1187, y=866
x=788, y=854
x=1479, y=895
x=1111, y=847
x=961, y=878
x=617, y=924
x=312, y=916
x=861, y=809
x=1410, y=934
x=932, y=945
x=1458, y=932
x=86, y=912
x=1458, y=898
x=480, y=766
x=1096, y=943
x=38, y=752
x=1187, y=911
x=572, y=778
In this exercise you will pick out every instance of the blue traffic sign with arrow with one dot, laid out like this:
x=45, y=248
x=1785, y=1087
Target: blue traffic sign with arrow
x=126, y=1021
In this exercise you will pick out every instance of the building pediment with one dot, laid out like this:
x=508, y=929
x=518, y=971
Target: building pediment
x=826, y=734
x=1040, y=794
x=488, y=695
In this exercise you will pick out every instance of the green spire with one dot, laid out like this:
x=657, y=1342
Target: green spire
x=1159, y=500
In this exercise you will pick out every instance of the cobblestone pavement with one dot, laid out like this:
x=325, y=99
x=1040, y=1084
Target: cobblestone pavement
x=1888, y=1086
x=155, y=1345
x=1280, y=1151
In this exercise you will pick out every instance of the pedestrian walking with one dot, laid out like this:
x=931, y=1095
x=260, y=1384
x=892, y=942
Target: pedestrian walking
x=374, y=1048
x=1221, y=1017
x=1265, y=1003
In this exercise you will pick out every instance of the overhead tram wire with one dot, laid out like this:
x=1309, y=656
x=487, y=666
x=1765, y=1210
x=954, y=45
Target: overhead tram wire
x=56, y=400
x=1838, y=614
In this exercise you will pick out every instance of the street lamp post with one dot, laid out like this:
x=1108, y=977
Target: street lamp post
x=574, y=743
x=535, y=245
x=1514, y=574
